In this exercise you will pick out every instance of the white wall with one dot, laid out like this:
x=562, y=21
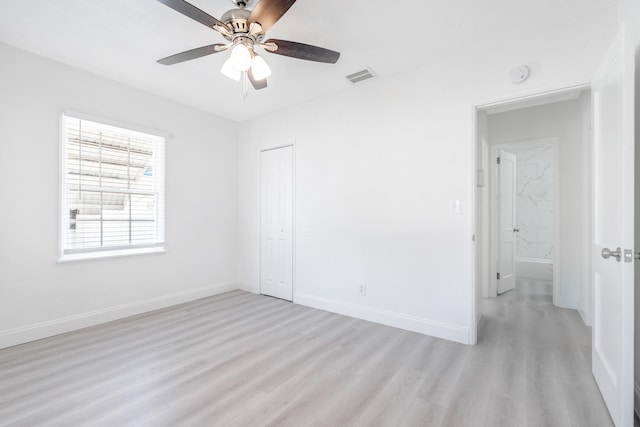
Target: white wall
x=562, y=120
x=39, y=297
x=372, y=205
x=377, y=170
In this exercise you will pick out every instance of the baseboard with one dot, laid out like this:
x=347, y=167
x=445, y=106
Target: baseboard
x=62, y=325
x=565, y=302
x=411, y=323
x=248, y=287
x=586, y=317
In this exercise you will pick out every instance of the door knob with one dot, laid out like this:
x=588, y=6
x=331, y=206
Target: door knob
x=516, y=230
x=608, y=253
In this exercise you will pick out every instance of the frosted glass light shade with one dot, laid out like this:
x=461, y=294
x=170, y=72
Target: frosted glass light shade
x=260, y=68
x=241, y=57
x=229, y=70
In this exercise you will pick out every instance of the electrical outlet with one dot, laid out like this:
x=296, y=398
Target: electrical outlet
x=363, y=289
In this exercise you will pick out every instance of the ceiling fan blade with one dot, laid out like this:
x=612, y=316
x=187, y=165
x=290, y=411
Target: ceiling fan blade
x=303, y=51
x=268, y=12
x=257, y=84
x=192, y=54
x=192, y=12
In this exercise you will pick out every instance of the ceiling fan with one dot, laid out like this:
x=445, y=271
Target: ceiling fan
x=245, y=30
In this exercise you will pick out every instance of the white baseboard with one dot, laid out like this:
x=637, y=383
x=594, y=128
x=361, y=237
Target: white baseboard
x=50, y=328
x=249, y=287
x=411, y=323
x=565, y=302
x=586, y=317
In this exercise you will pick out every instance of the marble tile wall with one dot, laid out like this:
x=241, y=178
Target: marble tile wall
x=534, y=203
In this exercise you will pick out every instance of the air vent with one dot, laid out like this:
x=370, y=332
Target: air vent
x=365, y=74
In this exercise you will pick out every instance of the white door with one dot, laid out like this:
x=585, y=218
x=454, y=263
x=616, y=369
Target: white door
x=613, y=198
x=506, y=222
x=276, y=224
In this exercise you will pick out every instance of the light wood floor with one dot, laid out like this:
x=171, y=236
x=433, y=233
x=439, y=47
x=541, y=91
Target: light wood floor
x=239, y=359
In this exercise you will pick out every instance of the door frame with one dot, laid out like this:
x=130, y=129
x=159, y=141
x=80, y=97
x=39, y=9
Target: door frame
x=476, y=254
x=293, y=217
x=493, y=210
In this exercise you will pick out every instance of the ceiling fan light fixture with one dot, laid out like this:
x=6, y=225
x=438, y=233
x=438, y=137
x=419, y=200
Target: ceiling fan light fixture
x=229, y=70
x=260, y=68
x=244, y=29
x=241, y=57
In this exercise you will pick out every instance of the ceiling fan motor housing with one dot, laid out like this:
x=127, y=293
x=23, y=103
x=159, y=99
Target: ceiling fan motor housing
x=236, y=20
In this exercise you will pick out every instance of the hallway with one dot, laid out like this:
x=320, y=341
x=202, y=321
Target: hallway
x=542, y=357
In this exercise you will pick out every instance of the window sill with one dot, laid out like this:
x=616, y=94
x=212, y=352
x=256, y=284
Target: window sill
x=118, y=253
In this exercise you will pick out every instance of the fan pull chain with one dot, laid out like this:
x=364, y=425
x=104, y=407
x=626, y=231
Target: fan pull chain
x=245, y=86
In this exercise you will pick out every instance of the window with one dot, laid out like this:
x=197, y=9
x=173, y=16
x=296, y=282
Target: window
x=112, y=191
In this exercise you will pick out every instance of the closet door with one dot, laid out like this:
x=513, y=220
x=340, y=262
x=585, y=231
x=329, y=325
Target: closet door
x=276, y=224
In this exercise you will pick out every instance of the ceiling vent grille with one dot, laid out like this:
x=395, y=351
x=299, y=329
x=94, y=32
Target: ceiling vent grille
x=365, y=74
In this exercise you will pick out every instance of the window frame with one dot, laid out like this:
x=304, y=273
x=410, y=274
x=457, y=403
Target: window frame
x=80, y=254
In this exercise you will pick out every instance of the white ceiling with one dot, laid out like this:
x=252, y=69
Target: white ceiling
x=122, y=39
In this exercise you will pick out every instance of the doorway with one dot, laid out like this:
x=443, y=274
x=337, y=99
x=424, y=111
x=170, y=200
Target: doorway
x=550, y=137
x=534, y=222
x=276, y=223
x=606, y=297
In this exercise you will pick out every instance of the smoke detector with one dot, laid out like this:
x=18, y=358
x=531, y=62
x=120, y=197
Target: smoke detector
x=519, y=74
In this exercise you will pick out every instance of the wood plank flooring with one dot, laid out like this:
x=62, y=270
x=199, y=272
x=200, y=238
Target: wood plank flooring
x=239, y=359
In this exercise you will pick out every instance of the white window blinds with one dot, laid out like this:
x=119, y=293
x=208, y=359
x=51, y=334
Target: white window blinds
x=113, y=188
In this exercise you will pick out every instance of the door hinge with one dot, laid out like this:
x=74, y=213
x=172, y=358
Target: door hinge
x=629, y=255
x=498, y=160
x=498, y=276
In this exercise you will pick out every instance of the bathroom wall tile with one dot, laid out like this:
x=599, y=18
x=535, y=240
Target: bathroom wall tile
x=534, y=202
